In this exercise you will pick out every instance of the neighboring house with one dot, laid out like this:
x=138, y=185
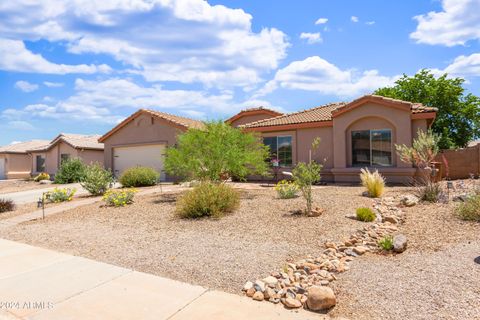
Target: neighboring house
x=141, y=139
x=354, y=135
x=47, y=158
x=252, y=115
x=15, y=161
x=473, y=143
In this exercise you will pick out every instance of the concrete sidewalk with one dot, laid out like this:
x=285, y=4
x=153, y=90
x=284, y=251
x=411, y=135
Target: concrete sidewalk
x=36, y=283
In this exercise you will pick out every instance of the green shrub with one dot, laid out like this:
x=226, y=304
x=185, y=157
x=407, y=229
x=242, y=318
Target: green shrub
x=60, y=194
x=286, y=189
x=139, y=177
x=119, y=198
x=373, y=181
x=366, y=214
x=42, y=176
x=70, y=171
x=208, y=199
x=97, y=179
x=6, y=205
x=386, y=243
x=470, y=209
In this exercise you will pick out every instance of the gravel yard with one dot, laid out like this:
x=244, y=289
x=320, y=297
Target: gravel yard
x=436, y=278
x=8, y=186
x=220, y=254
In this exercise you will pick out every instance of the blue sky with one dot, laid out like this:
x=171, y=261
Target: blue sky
x=83, y=66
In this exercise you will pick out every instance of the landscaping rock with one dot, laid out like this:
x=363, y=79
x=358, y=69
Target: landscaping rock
x=409, y=200
x=360, y=250
x=259, y=285
x=399, y=243
x=258, y=296
x=321, y=298
x=248, y=285
x=45, y=182
x=250, y=292
x=270, y=281
x=390, y=219
x=292, y=303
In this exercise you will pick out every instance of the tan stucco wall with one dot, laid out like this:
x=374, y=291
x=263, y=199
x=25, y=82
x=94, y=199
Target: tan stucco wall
x=250, y=118
x=144, y=129
x=90, y=156
x=418, y=124
x=53, y=156
x=370, y=116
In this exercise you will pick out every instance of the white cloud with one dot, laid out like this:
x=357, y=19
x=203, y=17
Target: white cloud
x=370, y=23
x=354, y=19
x=321, y=21
x=20, y=125
x=462, y=66
x=311, y=37
x=53, y=84
x=163, y=40
x=317, y=74
x=26, y=86
x=458, y=23
x=16, y=57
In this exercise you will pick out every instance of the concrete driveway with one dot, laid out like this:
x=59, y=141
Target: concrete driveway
x=36, y=283
x=28, y=196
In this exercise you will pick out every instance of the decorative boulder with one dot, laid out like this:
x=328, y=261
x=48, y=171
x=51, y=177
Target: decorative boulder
x=399, y=243
x=45, y=182
x=409, y=200
x=321, y=298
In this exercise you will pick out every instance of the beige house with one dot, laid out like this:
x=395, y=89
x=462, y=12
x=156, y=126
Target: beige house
x=15, y=161
x=358, y=134
x=141, y=139
x=354, y=135
x=47, y=158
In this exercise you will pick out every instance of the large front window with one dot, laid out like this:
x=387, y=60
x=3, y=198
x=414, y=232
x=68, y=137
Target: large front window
x=372, y=148
x=280, y=149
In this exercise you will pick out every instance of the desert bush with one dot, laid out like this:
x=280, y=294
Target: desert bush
x=120, y=197
x=60, y=194
x=286, y=189
x=139, y=177
x=6, y=205
x=70, y=171
x=42, y=176
x=208, y=199
x=97, y=179
x=429, y=191
x=373, y=182
x=365, y=214
x=386, y=243
x=470, y=209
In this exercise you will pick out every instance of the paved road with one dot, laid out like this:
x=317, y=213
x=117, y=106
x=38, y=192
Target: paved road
x=36, y=283
x=22, y=197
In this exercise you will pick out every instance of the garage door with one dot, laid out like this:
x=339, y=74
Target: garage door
x=2, y=168
x=148, y=156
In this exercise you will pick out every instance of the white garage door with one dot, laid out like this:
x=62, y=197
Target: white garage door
x=147, y=156
x=2, y=168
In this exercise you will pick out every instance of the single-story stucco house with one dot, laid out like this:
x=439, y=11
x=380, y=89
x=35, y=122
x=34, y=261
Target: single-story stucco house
x=361, y=133
x=48, y=157
x=141, y=139
x=15, y=161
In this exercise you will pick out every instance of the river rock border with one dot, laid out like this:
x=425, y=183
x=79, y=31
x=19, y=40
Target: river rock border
x=309, y=282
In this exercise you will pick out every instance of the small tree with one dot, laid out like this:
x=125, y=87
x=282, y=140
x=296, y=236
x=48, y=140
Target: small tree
x=216, y=153
x=97, y=179
x=70, y=171
x=307, y=174
x=421, y=154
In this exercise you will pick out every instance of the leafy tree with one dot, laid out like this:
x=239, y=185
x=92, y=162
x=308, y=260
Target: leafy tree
x=216, y=153
x=458, y=116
